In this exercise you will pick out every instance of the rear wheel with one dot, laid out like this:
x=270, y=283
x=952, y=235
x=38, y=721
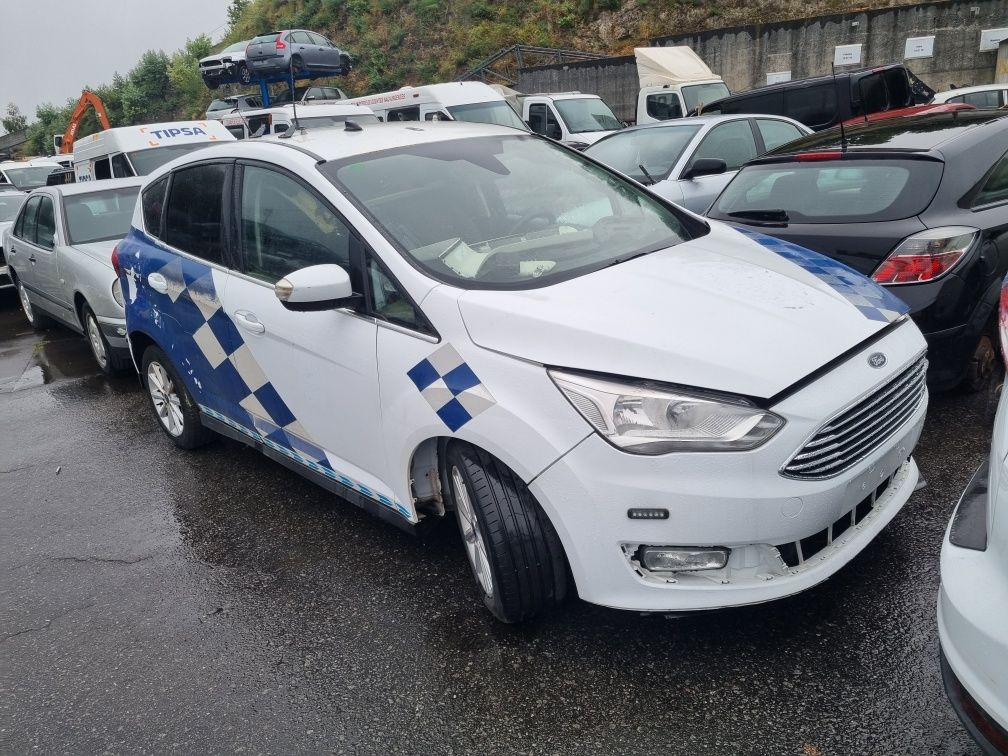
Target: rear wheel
x=981, y=367
x=297, y=65
x=177, y=413
x=515, y=554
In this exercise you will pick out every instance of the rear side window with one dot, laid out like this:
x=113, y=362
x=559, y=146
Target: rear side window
x=286, y=227
x=194, y=213
x=153, y=206
x=25, y=226
x=849, y=191
x=102, y=169
x=404, y=114
x=814, y=106
x=45, y=231
x=988, y=99
x=995, y=188
x=776, y=133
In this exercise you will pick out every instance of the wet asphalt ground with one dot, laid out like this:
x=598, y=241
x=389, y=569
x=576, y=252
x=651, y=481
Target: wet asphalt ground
x=153, y=600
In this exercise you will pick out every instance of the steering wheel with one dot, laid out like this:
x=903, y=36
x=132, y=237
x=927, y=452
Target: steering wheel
x=531, y=216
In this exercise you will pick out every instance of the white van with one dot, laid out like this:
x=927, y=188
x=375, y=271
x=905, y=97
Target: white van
x=138, y=150
x=278, y=120
x=573, y=118
x=459, y=101
x=674, y=81
x=25, y=175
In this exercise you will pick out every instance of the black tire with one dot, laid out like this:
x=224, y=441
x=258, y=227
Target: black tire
x=244, y=75
x=110, y=362
x=981, y=366
x=525, y=558
x=193, y=433
x=37, y=320
x=297, y=65
x=211, y=84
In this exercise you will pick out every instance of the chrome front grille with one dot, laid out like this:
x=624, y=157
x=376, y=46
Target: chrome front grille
x=859, y=430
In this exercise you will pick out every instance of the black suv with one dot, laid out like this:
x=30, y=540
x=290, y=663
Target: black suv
x=825, y=101
x=919, y=204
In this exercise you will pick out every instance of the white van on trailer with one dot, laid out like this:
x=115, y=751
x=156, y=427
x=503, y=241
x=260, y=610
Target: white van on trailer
x=471, y=101
x=138, y=150
x=674, y=81
x=277, y=120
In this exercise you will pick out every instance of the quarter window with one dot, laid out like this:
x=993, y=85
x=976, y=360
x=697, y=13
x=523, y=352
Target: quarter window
x=776, y=133
x=995, y=188
x=732, y=142
x=389, y=302
x=286, y=227
x=194, y=215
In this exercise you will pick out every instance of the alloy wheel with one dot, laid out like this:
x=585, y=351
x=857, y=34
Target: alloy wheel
x=472, y=536
x=97, y=343
x=165, y=397
x=26, y=304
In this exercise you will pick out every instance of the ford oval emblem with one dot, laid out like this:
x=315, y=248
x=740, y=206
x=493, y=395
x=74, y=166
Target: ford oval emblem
x=877, y=359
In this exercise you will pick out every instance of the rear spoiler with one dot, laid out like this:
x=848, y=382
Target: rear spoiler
x=835, y=153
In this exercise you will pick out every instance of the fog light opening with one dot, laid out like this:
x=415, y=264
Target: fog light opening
x=668, y=559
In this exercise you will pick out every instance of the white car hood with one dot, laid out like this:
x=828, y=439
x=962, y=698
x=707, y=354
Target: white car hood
x=730, y=311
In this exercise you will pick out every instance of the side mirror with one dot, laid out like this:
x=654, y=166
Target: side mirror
x=705, y=167
x=317, y=287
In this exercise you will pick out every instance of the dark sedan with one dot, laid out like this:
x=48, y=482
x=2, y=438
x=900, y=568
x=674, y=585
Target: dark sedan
x=919, y=204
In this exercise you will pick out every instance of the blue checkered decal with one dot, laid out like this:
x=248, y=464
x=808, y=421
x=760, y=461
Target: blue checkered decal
x=230, y=384
x=873, y=301
x=450, y=387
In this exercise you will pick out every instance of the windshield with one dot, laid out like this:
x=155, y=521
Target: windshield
x=657, y=149
x=334, y=120
x=703, y=93
x=497, y=112
x=31, y=177
x=99, y=216
x=235, y=47
x=10, y=203
x=222, y=105
x=145, y=161
x=847, y=191
x=504, y=212
x=587, y=114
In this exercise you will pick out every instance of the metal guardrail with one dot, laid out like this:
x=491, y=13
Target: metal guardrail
x=520, y=55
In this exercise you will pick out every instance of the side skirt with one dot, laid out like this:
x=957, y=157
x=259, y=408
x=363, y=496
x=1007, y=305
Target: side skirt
x=354, y=497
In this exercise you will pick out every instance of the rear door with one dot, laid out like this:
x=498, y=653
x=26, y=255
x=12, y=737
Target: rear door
x=301, y=45
x=306, y=381
x=22, y=242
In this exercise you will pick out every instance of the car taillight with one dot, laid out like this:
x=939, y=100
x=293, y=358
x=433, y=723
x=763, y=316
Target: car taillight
x=115, y=261
x=1003, y=321
x=811, y=157
x=926, y=256
x=280, y=43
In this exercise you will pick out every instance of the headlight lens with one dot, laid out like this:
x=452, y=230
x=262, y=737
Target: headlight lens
x=117, y=292
x=646, y=419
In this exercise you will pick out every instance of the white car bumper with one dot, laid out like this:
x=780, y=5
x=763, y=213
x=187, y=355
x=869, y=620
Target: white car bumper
x=972, y=607
x=734, y=500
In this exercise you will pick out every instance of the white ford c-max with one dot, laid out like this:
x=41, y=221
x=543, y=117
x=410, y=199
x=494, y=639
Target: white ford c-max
x=603, y=387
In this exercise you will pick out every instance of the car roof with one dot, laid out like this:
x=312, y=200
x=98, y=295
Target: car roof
x=31, y=162
x=967, y=90
x=93, y=187
x=921, y=133
x=705, y=120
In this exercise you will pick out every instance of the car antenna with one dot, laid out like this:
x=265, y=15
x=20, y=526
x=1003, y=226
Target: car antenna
x=293, y=128
x=843, y=134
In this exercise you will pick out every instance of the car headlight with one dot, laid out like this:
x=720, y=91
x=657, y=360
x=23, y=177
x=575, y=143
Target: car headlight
x=645, y=418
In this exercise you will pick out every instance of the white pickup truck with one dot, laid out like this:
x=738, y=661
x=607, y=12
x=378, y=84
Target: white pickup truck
x=674, y=82
x=573, y=118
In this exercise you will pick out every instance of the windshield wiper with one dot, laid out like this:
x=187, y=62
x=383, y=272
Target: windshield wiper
x=771, y=216
x=650, y=178
x=634, y=256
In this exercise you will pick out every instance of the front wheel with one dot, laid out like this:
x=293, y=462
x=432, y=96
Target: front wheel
x=981, y=366
x=177, y=413
x=514, y=552
x=211, y=84
x=244, y=75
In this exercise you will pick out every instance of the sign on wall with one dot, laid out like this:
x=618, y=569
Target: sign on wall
x=919, y=47
x=991, y=38
x=847, y=55
x=777, y=77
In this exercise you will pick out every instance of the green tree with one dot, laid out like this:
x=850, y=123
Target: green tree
x=147, y=95
x=14, y=120
x=183, y=72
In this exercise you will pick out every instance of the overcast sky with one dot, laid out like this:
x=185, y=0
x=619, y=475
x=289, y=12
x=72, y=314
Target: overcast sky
x=51, y=49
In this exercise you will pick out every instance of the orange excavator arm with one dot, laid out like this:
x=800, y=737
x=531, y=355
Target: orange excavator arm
x=86, y=99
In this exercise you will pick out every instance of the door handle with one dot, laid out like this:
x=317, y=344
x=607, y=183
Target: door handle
x=158, y=282
x=249, y=321
x=13, y=251
x=32, y=259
